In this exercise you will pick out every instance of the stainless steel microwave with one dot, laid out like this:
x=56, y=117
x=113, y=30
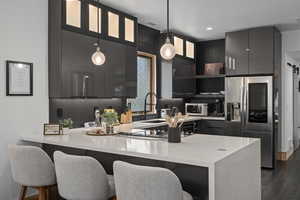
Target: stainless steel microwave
x=196, y=109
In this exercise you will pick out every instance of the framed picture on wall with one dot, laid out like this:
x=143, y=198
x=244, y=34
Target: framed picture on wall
x=19, y=78
x=53, y=129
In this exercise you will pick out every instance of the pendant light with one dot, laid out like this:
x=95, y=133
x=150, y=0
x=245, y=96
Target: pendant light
x=98, y=58
x=168, y=50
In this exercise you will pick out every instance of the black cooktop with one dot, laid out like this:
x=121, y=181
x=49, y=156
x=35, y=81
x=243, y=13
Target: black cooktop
x=153, y=133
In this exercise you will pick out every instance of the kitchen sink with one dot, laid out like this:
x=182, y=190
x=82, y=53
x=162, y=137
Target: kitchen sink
x=155, y=121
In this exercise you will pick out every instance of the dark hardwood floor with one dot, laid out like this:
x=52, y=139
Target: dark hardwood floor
x=283, y=183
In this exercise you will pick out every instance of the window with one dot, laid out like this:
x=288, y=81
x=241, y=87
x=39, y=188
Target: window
x=73, y=13
x=129, y=30
x=93, y=21
x=113, y=25
x=190, y=49
x=146, y=82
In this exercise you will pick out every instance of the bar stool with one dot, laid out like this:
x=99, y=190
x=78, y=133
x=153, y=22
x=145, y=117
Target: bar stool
x=32, y=167
x=147, y=183
x=82, y=178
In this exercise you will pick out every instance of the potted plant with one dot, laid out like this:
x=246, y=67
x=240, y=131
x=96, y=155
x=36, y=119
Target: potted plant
x=110, y=118
x=67, y=124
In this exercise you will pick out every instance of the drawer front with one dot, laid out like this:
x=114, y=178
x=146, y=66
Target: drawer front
x=212, y=127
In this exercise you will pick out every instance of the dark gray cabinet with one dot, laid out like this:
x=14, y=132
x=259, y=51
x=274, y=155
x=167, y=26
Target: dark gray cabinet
x=251, y=52
x=80, y=78
x=184, y=83
x=236, y=48
x=214, y=127
x=131, y=71
x=261, y=50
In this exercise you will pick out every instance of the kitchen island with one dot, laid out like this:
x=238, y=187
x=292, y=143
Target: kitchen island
x=209, y=167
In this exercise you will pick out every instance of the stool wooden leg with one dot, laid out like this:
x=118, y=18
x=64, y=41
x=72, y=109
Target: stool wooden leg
x=23, y=192
x=48, y=192
x=42, y=193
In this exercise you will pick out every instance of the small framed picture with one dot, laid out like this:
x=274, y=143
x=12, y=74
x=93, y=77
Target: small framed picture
x=19, y=81
x=53, y=129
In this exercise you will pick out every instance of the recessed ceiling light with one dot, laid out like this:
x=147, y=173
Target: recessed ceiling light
x=209, y=28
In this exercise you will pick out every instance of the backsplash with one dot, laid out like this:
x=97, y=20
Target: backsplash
x=80, y=110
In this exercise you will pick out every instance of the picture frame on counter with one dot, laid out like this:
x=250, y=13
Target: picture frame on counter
x=53, y=129
x=19, y=78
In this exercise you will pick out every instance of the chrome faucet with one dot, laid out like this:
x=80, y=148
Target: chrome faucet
x=150, y=104
x=97, y=118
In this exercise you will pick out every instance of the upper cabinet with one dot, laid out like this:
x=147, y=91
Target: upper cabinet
x=261, y=50
x=74, y=27
x=251, y=52
x=92, y=18
x=237, y=57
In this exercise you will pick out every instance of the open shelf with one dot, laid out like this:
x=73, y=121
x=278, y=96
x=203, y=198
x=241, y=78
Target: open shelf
x=209, y=76
x=215, y=96
x=199, y=77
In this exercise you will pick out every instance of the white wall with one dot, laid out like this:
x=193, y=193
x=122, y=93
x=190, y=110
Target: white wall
x=23, y=37
x=166, y=80
x=290, y=43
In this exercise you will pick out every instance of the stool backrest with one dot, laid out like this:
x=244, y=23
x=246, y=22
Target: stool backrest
x=80, y=177
x=31, y=166
x=147, y=183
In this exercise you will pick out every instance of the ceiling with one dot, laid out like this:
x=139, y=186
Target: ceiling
x=192, y=17
x=295, y=55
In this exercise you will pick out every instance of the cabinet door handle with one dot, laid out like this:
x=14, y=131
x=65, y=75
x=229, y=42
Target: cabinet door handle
x=226, y=62
x=248, y=49
x=233, y=63
x=229, y=60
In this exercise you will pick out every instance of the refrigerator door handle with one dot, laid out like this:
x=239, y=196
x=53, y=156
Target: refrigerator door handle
x=246, y=94
x=242, y=103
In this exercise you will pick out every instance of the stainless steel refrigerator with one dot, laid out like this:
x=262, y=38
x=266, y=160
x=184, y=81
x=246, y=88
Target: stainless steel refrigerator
x=249, y=112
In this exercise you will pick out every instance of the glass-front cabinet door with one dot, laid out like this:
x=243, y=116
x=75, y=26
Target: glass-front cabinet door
x=73, y=13
x=95, y=19
x=129, y=30
x=113, y=25
x=190, y=49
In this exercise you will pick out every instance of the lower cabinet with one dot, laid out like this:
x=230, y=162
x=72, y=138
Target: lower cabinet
x=212, y=127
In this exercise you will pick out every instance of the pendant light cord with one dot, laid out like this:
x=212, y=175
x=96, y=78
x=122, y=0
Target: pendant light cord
x=168, y=17
x=98, y=26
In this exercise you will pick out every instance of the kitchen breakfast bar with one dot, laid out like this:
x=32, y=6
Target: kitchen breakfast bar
x=209, y=167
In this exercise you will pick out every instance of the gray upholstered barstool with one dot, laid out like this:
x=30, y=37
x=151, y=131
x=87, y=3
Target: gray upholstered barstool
x=82, y=178
x=147, y=183
x=32, y=167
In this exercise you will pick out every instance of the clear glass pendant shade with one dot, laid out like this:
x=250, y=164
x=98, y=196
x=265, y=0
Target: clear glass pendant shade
x=98, y=58
x=168, y=50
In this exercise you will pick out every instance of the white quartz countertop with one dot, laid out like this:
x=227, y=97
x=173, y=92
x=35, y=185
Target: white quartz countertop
x=199, y=150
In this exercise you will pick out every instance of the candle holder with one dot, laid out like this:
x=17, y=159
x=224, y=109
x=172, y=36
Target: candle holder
x=174, y=135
